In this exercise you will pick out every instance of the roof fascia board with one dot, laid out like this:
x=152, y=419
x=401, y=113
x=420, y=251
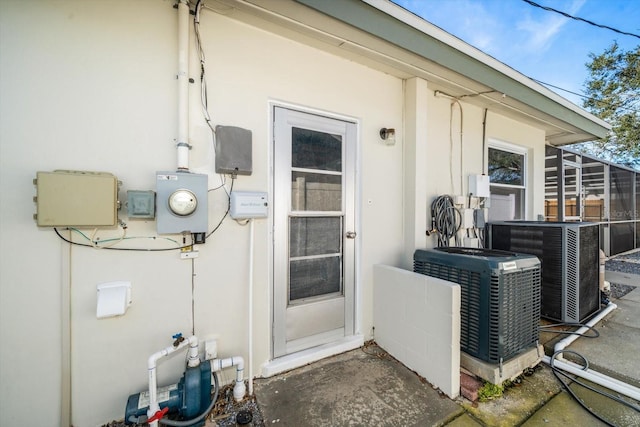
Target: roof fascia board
x=401, y=28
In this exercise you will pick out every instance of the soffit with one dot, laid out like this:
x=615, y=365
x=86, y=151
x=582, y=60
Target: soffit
x=360, y=32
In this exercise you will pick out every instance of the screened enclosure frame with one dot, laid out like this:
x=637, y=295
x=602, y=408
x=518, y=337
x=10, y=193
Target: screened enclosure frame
x=581, y=187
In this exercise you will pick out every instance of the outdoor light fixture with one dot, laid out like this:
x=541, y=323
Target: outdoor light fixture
x=388, y=135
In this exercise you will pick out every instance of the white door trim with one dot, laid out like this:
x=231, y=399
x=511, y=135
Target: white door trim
x=275, y=365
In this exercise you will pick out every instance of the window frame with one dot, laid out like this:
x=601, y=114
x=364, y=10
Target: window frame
x=524, y=187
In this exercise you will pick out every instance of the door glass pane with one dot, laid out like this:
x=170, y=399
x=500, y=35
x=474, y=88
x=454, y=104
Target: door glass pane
x=314, y=277
x=506, y=167
x=316, y=192
x=316, y=150
x=314, y=236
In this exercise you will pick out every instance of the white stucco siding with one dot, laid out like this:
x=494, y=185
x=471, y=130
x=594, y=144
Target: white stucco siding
x=91, y=86
x=442, y=138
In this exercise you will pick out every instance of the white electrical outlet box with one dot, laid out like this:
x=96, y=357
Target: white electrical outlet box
x=479, y=185
x=210, y=349
x=467, y=219
x=460, y=200
x=249, y=204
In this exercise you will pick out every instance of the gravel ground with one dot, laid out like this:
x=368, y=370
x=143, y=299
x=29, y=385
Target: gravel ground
x=223, y=414
x=628, y=263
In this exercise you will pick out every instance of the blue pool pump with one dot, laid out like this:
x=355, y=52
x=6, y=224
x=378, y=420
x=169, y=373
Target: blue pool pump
x=187, y=399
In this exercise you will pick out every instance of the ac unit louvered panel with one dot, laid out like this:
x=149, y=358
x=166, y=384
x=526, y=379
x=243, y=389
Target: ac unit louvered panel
x=569, y=256
x=500, y=309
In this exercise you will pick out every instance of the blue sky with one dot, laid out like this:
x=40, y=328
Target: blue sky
x=540, y=44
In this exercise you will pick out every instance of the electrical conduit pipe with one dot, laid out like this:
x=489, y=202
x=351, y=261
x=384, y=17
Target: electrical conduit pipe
x=239, y=388
x=589, y=374
x=183, y=85
x=153, y=413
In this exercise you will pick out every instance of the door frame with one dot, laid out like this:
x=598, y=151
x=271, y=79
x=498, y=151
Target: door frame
x=291, y=361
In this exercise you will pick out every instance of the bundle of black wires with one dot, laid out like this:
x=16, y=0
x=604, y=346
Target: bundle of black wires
x=446, y=220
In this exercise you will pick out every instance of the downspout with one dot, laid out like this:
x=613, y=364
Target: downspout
x=183, y=86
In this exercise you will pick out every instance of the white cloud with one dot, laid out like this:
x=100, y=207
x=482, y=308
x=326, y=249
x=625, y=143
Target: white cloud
x=542, y=32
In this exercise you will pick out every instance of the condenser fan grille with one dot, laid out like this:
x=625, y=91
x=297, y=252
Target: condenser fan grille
x=500, y=309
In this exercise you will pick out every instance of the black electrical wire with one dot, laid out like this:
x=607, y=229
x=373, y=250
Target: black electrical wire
x=121, y=249
x=550, y=9
x=233, y=178
x=558, y=372
x=446, y=220
x=548, y=328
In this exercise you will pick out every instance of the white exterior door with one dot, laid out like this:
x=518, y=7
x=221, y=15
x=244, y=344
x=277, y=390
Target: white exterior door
x=314, y=230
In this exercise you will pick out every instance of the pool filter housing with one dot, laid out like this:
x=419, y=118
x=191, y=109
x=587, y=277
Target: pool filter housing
x=187, y=399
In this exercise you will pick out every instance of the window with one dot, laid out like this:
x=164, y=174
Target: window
x=507, y=175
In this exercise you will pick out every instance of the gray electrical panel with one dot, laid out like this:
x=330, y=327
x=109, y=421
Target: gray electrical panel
x=182, y=204
x=141, y=204
x=233, y=150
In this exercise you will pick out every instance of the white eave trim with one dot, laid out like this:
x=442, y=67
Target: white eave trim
x=439, y=34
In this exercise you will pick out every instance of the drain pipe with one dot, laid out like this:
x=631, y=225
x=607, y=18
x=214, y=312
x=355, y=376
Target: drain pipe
x=564, y=343
x=154, y=413
x=594, y=376
x=251, y=308
x=589, y=374
x=183, y=86
x=239, y=388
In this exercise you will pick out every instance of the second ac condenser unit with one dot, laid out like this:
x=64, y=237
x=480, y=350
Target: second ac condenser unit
x=569, y=253
x=500, y=298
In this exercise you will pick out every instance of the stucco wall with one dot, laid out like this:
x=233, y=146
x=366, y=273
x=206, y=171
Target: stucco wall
x=91, y=86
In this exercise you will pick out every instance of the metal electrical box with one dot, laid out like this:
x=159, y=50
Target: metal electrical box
x=182, y=203
x=76, y=199
x=233, y=150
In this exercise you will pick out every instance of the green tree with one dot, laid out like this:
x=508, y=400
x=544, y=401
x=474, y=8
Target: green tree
x=613, y=94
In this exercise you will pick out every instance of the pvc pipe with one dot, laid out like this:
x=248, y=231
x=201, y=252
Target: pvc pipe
x=589, y=374
x=183, y=85
x=565, y=342
x=239, y=389
x=251, y=308
x=595, y=377
x=193, y=361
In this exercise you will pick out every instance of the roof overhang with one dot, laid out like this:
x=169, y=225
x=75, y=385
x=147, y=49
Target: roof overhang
x=386, y=37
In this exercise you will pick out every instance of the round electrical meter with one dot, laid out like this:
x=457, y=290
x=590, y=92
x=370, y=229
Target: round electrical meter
x=183, y=202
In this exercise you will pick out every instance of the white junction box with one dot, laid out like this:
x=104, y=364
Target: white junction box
x=479, y=185
x=249, y=204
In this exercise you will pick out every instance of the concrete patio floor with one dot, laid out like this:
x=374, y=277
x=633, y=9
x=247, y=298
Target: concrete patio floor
x=367, y=387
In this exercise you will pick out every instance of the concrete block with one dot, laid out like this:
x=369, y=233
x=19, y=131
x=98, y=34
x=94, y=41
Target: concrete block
x=497, y=374
x=417, y=320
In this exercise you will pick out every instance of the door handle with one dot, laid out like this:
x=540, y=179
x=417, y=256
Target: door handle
x=350, y=234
